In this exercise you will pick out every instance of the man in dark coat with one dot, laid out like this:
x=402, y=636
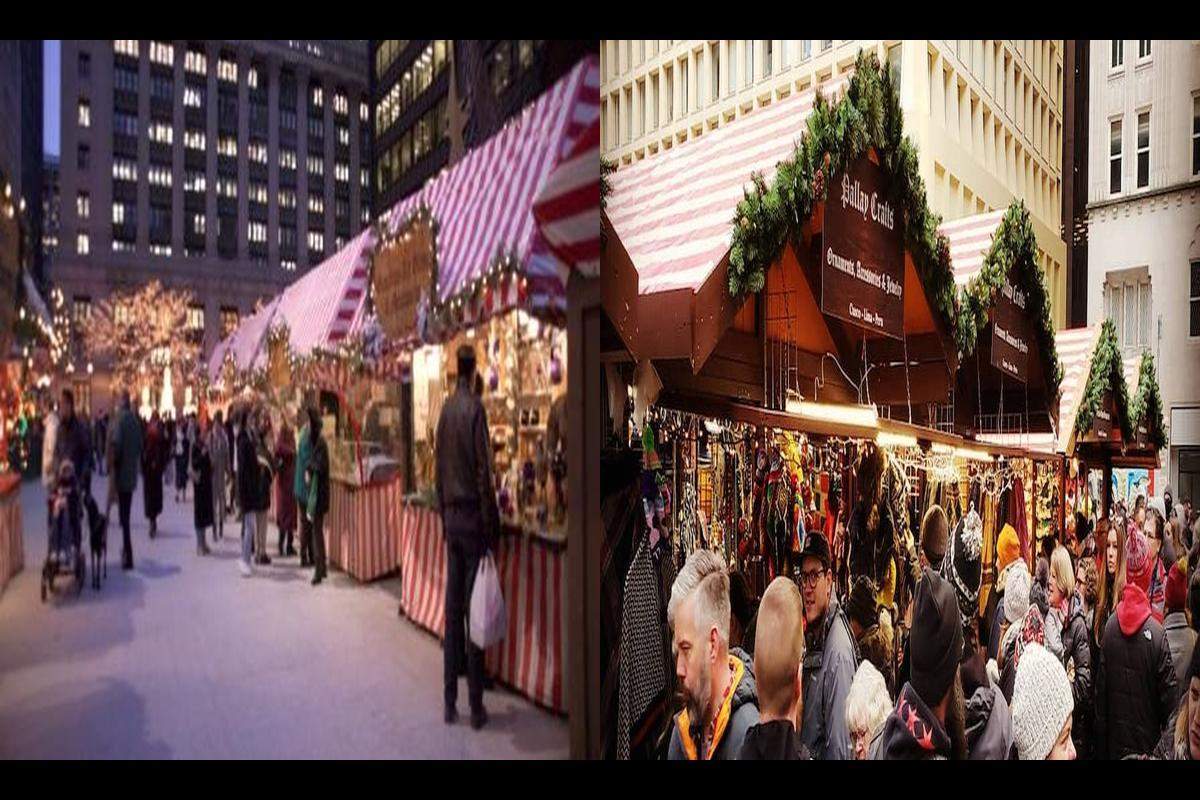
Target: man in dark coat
x=466, y=501
x=249, y=486
x=830, y=658
x=127, y=456
x=928, y=721
x=318, y=494
x=154, y=461
x=1136, y=685
x=202, y=475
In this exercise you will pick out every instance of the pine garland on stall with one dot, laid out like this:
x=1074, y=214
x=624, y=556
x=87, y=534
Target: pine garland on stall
x=1146, y=407
x=867, y=116
x=1014, y=247
x=1107, y=373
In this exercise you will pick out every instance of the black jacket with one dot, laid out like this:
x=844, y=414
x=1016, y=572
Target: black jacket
x=318, y=468
x=1136, y=687
x=250, y=483
x=911, y=732
x=773, y=741
x=464, y=459
x=1077, y=659
x=74, y=443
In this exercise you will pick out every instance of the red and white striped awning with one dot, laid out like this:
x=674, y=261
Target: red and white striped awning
x=568, y=206
x=1075, y=348
x=673, y=211
x=483, y=204
x=320, y=309
x=970, y=239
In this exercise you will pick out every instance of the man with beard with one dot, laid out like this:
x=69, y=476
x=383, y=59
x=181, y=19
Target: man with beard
x=720, y=697
x=928, y=720
x=831, y=657
x=777, y=665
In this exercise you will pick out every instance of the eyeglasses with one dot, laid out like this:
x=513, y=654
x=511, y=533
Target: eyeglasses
x=810, y=578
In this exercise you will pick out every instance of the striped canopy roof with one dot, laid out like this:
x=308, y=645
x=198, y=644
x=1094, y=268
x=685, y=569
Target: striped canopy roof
x=970, y=238
x=673, y=212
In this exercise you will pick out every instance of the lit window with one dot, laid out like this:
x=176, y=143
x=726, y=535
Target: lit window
x=195, y=317
x=85, y=114
x=287, y=198
x=1114, y=157
x=316, y=241
x=196, y=62
x=316, y=166
x=193, y=140
x=318, y=96
x=364, y=177
x=258, y=193
x=126, y=47
x=83, y=205
x=287, y=159
x=199, y=224
x=252, y=78
x=162, y=53
x=124, y=170
x=257, y=231
x=1143, y=149
x=160, y=250
x=160, y=176
x=163, y=133
x=363, y=112
x=118, y=213
x=341, y=105
x=122, y=246
x=227, y=146
x=257, y=151
x=343, y=135
x=227, y=187
x=316, y=204
x=341, y=172
x=193, y=97
x=82, y=244
x=287, y=265
x=227, y=70
x=195, y=181
x=81, y=309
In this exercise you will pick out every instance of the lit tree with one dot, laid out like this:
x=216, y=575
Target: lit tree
x=141, y=331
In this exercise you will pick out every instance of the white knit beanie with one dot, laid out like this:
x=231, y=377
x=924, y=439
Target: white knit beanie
x=1016, y=592
x=1041, y=703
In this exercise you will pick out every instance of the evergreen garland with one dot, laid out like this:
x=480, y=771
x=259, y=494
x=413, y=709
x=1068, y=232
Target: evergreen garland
x=1107, y=373
x=607, y=167
x=1147, y=402
x=1014, y=246
x=867, y=116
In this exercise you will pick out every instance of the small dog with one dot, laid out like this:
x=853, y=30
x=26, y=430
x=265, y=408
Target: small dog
x=98, y=538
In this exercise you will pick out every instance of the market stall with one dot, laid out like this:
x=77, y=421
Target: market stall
x=12, y=545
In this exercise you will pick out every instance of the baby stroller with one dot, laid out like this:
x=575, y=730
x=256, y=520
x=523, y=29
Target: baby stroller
x=64, y=553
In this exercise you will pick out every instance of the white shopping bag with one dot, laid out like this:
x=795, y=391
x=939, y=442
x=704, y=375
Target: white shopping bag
x=489, y=618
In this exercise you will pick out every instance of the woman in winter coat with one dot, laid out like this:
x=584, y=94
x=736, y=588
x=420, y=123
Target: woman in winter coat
x=202, y=507
x=285, y=493
x=182, y=450
x=1067, y=609
x=153, y=465
x=1110, y=540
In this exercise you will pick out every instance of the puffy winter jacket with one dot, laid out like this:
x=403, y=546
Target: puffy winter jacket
x=988, y=724
x=735, y=718
x=829, y=666
x=1136, y=687
x=1077, y=659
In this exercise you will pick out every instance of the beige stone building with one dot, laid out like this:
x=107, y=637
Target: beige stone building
x=986, y=115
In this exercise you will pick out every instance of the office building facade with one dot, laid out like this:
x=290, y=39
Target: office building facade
x=986, y=115
x=1143, y=218
x=21, y=137
x=224, y=167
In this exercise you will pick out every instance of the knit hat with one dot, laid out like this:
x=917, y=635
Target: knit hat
x=1008, y=547
x=1138, y=564
x=860, y=605
x=961, y=565
x=1033, y=631
x=1041, y=703
x=936, y=638
x=1176, y=591
x=1016, y=592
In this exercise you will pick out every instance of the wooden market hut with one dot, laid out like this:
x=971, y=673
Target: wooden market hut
x=1009, y=373
x=720, y=273
x=1145, y=415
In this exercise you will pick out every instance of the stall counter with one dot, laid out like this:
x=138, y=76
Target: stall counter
x=362, y=528
x=12, y=544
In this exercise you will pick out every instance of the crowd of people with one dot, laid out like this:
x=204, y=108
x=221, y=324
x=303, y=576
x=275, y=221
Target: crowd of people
x=1084, y=649
x=233, y=466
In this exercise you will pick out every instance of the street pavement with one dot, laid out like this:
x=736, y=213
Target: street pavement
x=184, y=658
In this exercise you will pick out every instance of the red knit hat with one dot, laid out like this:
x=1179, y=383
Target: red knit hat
x=1138, y=564
x=1176, y=591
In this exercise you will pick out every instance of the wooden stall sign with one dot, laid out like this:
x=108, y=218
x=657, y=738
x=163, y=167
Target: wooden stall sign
x=862, y=252
x=401, y=272
x=1142, y=436
x=1102, y=424
x=1010, y=333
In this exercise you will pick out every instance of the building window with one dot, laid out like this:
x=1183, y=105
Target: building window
x=1114, y=157
x=315, y=165
x=227, y=146
x=199, y=223
x=83, y=205
x=316, y=204
x=85, y=65
x=193, y=140
x=287, y=264
x=195, y=181
x=124, y=170
x=126, y=47
x=85, y=113
x=1143, y=150
x=1196, y=135
x=287, y=198
x=83, y=156
x=1118, y=53
x=1143, y=48
x=316, y=241
x=162, y=53
x=257, y=152
x=1128, y=304
x=318, y=97
x=125, y=124
x=193, y=97
x=195, y=317
x=119, y=213
x=196, y=62
x=341, y=104
x=252, y=78
x=82, y=244
x=81, y=309
x=160, y=175
x=227, y=70
x=287, y=159
x=826, y=44
x=229, y=320
x=125, y=79
x=227, y=187
x=258, y=192
x=257, y=231
x=768, y=56
x=1194, y=300
x=341, y=172
x=163, y=133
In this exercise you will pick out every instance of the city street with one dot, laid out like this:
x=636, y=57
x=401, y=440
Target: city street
x=184, y=658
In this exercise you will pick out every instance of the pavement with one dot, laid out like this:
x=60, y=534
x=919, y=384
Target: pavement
x=184, y=658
